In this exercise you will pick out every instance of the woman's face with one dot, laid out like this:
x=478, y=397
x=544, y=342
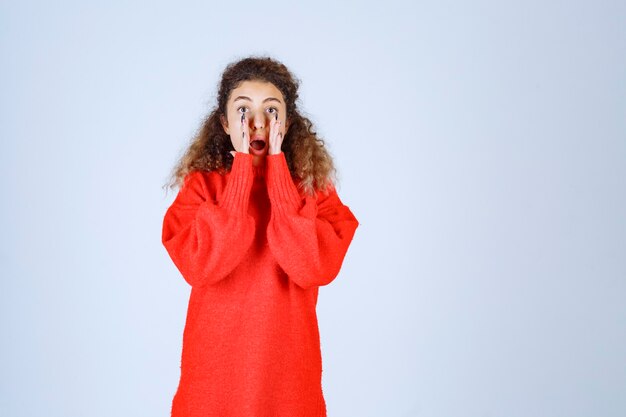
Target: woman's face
x=260, y=102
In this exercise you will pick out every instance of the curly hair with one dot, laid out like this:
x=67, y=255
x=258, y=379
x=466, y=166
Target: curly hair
x=309, y=161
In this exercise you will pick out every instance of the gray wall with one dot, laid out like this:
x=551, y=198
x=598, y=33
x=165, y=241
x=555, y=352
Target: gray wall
x=482, y=146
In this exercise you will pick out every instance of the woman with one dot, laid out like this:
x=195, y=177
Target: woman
x=256, y=228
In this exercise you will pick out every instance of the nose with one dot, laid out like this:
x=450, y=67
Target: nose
x=258, y=121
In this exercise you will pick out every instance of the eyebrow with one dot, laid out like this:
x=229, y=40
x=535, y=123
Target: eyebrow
x=249, y=99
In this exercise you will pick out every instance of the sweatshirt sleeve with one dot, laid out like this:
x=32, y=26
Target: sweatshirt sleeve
x=207, y=238
x=309, y=236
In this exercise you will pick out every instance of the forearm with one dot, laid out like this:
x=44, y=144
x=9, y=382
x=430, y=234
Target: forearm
x=308, y=237
x=206, y=237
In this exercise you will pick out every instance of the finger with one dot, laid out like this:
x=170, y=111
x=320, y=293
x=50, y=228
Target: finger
x=273, y=128
x=272, y=135
x=279, y=134
x=272, y=138
x=245, y=134
x=276, y=139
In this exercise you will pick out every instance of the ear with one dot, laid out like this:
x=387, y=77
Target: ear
x=286, y=126
x=224, y=123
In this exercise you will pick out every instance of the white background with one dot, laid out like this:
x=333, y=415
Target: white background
x=481, y=145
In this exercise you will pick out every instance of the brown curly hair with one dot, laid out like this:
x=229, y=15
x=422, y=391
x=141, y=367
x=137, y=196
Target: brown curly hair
x=309, y=162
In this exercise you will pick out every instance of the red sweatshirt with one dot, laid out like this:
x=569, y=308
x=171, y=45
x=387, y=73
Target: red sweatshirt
x=255, y=252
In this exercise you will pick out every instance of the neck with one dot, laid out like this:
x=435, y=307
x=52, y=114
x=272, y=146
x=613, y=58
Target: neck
x=258, y=160
x=258, y=165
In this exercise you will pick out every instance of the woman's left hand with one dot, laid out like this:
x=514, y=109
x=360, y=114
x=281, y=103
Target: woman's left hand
x=276, y=136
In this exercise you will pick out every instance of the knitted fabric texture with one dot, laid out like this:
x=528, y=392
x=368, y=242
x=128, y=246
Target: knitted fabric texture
x=255, y=252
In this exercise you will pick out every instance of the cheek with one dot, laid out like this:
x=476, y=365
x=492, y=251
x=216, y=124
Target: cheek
x=234, y=125
x=233, y=139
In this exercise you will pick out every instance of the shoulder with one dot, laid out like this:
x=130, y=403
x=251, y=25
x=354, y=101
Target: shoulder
x=330, y=206
x=203, y=185
x=327, y=199
x=329, y=193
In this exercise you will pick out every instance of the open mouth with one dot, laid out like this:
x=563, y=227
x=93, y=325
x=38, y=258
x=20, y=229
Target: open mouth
x=257, y=144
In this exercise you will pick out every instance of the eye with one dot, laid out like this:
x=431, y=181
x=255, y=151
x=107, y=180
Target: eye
x=242, y=109
x=272, y=110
